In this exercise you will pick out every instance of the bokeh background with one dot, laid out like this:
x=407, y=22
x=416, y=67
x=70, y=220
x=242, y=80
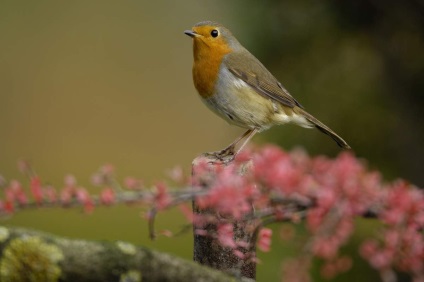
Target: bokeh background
x=83, y=83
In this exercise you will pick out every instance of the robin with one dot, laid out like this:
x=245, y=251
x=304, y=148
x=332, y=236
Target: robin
x=237, y=87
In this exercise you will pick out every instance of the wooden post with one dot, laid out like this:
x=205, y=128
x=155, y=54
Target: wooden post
x=208, y=251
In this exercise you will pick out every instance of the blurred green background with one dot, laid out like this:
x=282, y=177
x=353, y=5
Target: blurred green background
x=83, y=83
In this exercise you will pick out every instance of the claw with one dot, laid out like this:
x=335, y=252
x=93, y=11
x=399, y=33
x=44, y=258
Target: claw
x=224, y=157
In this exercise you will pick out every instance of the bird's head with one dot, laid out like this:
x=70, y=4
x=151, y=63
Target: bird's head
x=212, y=38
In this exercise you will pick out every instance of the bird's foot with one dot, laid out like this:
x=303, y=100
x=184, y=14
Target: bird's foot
x=225, y=156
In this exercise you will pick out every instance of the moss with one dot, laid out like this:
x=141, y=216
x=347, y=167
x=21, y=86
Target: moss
x=131, y=276
x=30, y=259
x=4, y=234
x=126, y=248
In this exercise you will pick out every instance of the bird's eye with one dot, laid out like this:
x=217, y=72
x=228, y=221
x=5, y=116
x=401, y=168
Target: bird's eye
x=214, y=33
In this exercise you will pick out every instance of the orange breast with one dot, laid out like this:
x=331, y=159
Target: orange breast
x=207, y=61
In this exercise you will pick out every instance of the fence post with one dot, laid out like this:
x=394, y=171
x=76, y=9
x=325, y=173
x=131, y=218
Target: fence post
x=208, y=251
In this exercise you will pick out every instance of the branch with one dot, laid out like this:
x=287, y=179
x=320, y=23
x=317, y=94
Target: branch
x=28, y=255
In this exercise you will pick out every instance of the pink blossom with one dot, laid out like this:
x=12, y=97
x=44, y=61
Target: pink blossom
x=133, y=183
x=201, y=232
x=300, y=157
x=188, y=213
x=82, y=195
x=239, y=254
x=162, y=197
x=368, y=248
x=15, y=187
x=9, y=194
x=230, y=194
x=326, y=198
x=382, y=259
x=226, y=235
x=88, y=205
x=9, y=207
x=392, y=238
x=200, y=168
x=336, y=190
x=344, y=229
x=24, y=166
x=84, y=198
x=270, y=184
x=264, y=239
x=66, y=195
x=15, y=192
x=21, y=197
x=276, y=170
x=393, y=216
x=107, y=196
x=326, y=248
x=98, y=179
x=70, y=181
x=177, y=174
x=227, y=199
x=314, y=218
x=243, y=244
x=36, y=189
x=50, y=193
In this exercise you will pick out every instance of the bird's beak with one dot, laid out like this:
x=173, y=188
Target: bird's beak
x=191, y=33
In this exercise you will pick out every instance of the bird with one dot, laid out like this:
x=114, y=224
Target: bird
x=236, y=86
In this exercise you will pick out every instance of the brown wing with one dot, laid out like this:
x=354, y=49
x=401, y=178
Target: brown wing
x=265, y=84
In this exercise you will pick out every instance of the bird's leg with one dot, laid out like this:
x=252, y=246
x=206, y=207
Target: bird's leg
x=249, y=136
x=230, y=150
x=229, y=153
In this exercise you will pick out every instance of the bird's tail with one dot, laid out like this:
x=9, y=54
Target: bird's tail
x=325, y=129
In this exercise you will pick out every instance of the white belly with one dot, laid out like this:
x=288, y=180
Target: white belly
x=239, y=104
